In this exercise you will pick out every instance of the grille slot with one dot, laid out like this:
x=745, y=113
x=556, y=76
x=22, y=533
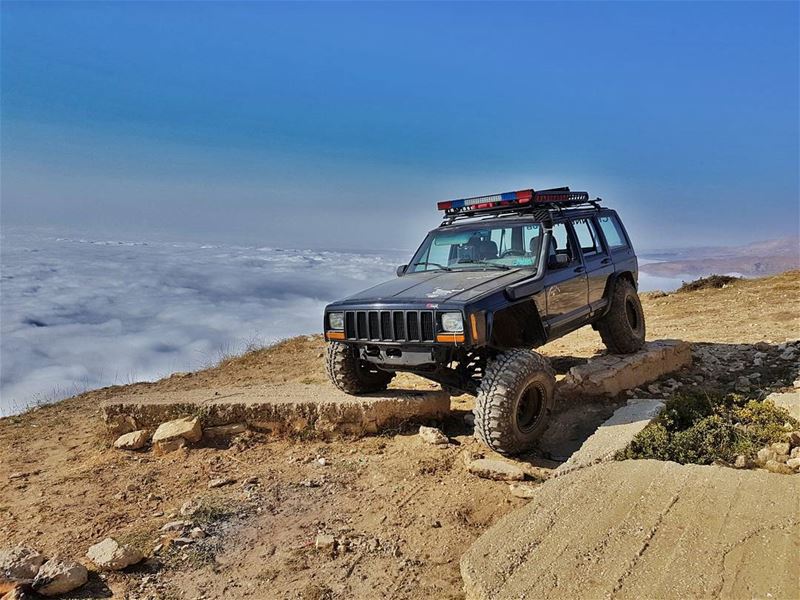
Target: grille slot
x=413, y=326
x=386, y=326
x=390, y=326
x=427, y=326
x=399, y=325
x=350, y=325
x=374, y=328
x=361, y=323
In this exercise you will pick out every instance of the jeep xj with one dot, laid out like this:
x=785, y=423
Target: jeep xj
x=501, y=275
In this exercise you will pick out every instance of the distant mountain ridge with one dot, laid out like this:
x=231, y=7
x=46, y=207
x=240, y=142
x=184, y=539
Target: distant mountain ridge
x=766, y=257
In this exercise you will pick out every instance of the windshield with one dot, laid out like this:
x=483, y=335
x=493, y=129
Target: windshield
x=500, y=246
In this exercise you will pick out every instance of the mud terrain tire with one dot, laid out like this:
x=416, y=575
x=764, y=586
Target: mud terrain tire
x=514, y=401
x=352, y=375
x=622, y=328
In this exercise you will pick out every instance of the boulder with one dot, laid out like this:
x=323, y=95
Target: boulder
x=498, y=470
x=793, y=463
x=59, y=576
x=188, y=429
x=110, y=555
x=167, y=446
x=132, y=441
x=20, y=562
x=432, y=435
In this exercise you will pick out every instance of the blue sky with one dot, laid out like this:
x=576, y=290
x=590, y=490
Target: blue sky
x=342, y=124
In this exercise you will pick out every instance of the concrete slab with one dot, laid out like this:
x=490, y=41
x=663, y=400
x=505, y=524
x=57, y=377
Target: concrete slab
x=287, y=409
x=612, y=374
x=644, y=529
x=788, y=400
x=614, y=434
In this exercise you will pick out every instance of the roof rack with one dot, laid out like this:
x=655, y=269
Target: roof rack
x=519, y=202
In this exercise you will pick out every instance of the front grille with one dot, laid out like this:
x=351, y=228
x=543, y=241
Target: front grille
x=390, y=325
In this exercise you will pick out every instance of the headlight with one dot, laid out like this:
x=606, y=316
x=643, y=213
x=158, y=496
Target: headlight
x=452, y=321
x=336, y=320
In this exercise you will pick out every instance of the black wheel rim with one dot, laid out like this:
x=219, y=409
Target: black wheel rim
x=530, y=408
x=632, y=314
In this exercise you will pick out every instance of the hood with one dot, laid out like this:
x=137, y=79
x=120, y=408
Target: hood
x=440, y=286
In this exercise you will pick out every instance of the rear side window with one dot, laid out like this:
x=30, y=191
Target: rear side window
x=613, y=232
x=587, y=237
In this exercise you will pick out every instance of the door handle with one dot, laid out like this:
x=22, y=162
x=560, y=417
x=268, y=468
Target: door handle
x=605, y=261
x=580, y=269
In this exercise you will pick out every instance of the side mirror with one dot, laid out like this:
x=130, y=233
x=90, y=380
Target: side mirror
x=401, y=270
x=557, y=261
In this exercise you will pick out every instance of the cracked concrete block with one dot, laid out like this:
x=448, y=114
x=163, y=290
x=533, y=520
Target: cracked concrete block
x=614, y=434
x=644, y=529
x=611, y=375
x=282, y=410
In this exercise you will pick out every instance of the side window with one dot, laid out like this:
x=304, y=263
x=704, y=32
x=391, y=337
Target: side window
x=587, y=237
x=613, y=232
x=561, y=252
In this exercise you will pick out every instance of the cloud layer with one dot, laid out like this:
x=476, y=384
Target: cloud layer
x=81, y=313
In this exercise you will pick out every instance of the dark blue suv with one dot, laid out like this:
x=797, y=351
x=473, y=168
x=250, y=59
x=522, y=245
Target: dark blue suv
x=502, y=275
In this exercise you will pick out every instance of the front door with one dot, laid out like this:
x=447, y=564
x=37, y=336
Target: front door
x=566, y=289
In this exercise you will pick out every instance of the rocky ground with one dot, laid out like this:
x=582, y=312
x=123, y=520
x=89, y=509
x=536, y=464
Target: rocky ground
x=379, y=516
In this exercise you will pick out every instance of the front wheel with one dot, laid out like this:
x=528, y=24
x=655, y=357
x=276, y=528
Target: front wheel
x=351, y=374
x=622, y=328
x=514, y=401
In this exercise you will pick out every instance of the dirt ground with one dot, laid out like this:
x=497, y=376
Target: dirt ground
x=403, y=512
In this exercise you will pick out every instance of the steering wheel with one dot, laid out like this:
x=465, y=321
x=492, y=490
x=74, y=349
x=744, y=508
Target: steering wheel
x=511, y=252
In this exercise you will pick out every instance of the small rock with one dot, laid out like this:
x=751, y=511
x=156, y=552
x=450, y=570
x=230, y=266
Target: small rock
x=321, y=461
x=225, y=431
x=134, y=440
x=762, y=346
x=793, y=463
x=496, y=469
x=59, y=576
x=775, y=467
x=522, y=490
x=20, y=562
x=176, y=525
x=795, y=453
x=765, y=455
x=324, y=541
x=110, y=555
x=183, y=541
x=223, y=481
x=197, y=533
x=190, y=507
x=188, y=429
x=167, y=446
x=781, y=447
x=793, y=437
x=432, y=435
x=654, y=389
x=741, y=462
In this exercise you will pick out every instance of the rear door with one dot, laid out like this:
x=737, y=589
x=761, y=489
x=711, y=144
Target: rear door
x=566, y=288
x=596, y=259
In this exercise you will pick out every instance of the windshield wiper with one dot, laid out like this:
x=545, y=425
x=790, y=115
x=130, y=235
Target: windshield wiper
x=425, y=264
x=487, y=263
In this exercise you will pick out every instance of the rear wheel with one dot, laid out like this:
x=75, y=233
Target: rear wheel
x=351, y=374
x=622, y=328
x=514, y=401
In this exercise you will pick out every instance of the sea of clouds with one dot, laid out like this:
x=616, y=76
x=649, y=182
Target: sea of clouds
x=80, y=313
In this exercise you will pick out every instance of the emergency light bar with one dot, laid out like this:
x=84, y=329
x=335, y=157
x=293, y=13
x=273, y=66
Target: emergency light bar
x=510, y=199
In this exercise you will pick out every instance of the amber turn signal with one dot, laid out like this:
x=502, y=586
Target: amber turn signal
x=451, y=338
x=334, y=335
